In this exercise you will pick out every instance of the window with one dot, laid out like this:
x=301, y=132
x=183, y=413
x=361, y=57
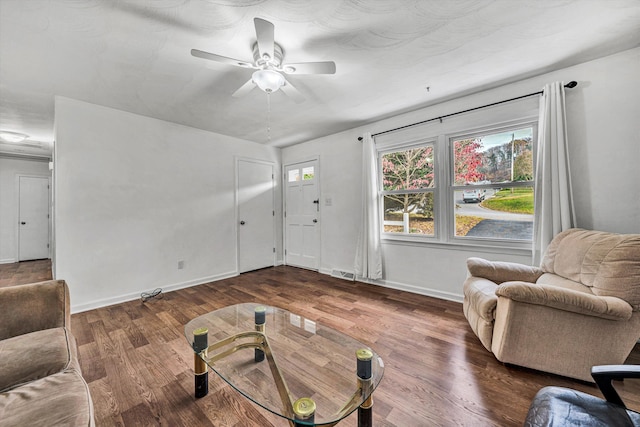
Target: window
x=408, y=190
x=308, y=173
x=294, y=175
x=485, y=195
x=493, y=185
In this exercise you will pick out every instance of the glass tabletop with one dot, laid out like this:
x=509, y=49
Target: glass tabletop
x=285, y=363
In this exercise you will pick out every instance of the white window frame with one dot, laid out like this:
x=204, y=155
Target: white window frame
x=452, y=187
x=434, y=190
x=444, y=219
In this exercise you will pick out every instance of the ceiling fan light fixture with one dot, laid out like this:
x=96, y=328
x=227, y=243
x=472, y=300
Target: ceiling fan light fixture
x=13, y=137
x=268, y=80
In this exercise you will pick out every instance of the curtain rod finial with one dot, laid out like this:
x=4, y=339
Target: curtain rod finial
x=572, y=84
x=359, y=138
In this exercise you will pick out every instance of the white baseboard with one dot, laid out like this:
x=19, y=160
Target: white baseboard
x=326, y=271
x=384, y=283
x=8, y=261
x=435, y=293
x=136, y=295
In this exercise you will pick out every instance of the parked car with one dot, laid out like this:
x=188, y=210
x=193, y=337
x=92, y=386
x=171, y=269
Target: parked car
x=473, y=195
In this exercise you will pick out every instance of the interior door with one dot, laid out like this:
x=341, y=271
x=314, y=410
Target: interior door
x=33, y=218
x=302, y=212
x=256, y=215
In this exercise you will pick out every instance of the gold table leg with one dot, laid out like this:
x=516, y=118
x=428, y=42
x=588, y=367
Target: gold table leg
x=199, y=366
x=365, y=411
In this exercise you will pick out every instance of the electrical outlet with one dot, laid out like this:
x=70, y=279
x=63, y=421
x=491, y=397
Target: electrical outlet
x=180, y=265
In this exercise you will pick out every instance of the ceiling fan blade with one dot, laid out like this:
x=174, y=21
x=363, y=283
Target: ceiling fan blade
x=218, y=58
x=328, y=67
x=265, y=35
x=292, y=92
x=244, y=89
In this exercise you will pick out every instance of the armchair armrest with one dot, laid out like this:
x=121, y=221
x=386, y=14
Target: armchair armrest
x=500, y=272
x=34, y=307
x=604, y=374
x=605, y=307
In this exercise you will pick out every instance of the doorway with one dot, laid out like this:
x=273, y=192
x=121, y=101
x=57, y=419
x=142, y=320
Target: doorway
x=256, y=214
x=33, y=217
x=302, y=214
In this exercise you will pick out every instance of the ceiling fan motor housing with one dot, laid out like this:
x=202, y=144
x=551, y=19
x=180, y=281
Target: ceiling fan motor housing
x=275, y=62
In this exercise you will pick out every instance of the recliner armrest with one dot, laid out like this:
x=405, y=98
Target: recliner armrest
x=611, y=308
x=34, y=307
x=604, y=374
x=500, y=272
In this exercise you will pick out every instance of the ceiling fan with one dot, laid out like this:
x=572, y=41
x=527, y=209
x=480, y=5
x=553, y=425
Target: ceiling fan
x=267, y=60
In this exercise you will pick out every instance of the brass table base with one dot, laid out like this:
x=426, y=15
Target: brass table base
x=258, y=341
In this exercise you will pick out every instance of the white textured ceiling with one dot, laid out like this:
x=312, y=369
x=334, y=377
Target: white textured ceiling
x=134, y=55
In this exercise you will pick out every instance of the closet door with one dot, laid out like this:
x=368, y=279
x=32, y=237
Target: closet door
x=256, y=215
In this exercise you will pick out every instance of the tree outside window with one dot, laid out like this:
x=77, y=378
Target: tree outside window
x=408, y=183
x=495, y=172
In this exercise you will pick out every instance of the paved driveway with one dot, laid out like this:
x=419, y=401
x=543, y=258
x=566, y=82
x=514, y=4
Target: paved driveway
x=505, y=229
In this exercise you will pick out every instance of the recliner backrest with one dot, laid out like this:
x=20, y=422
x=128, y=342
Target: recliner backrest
x=609, y=263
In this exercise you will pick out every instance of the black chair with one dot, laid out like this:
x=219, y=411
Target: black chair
x=559, y=406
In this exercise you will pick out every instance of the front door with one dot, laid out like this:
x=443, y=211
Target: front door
x=256, y=215
x=302, y=213
x=33, y=218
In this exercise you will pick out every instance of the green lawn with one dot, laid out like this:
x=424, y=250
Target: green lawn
x=514, y=200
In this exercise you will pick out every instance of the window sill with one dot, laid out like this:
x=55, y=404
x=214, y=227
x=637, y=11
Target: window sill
x=493, y=247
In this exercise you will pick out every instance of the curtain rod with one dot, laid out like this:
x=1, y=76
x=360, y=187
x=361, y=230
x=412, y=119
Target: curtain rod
x=569, y=85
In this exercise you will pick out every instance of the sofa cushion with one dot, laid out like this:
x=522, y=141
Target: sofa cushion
x=35, y=355
x=607, y=262
x=34, y=307
x=60, y=399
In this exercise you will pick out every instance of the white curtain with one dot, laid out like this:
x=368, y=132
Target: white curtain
x=553, y=196
x=368, y=263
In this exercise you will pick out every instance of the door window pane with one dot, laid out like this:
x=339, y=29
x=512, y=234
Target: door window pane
x=307, y=173
x=294, y=175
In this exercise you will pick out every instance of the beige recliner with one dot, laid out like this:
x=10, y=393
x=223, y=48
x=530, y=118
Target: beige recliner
x=579, y=309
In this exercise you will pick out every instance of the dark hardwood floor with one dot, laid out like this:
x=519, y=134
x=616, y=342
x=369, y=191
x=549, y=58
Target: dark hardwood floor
x=139, y=366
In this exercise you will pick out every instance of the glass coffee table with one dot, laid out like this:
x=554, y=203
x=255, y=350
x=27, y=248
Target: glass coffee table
x=293, y=367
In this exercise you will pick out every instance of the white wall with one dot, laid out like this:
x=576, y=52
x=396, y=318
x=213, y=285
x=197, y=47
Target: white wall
x=135, y=195
x=10, y=169
x=603, y=113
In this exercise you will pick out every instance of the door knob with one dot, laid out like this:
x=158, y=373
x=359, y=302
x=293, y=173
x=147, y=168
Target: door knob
x=22, y=222
x=315, y=220
x=242, y=222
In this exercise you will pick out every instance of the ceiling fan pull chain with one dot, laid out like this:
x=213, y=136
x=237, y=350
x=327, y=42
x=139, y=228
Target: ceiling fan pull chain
x=268, y=117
